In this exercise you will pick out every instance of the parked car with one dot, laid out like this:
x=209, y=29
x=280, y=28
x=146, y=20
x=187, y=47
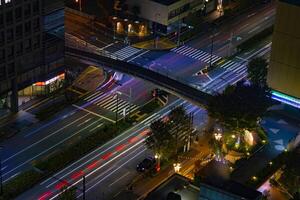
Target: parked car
x=147, y=164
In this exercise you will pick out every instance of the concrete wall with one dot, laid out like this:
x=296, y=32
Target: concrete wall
x=284, y=71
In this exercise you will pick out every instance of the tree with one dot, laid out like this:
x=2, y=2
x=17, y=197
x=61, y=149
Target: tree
x=257, y=71
x=240, y=106
x=296, y=196
x=68, y=194
x=160, y=140
x=179, y=123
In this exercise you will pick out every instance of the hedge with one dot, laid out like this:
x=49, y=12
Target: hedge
x=21, y=183
x=255, y=39
x=53, y=163
x=84, y=146
x=269, y=170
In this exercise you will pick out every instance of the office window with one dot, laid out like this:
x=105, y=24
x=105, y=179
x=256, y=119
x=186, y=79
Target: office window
x=27, y=44
x=36, y=42
x=2, y=54
x=9, y=17
x=10, y=52
x=27, y=10
x=10, y=35
x=19, y=31
x=1, y=20
x=19, y=49
x=18, y=13
x=36, y=24
x=27, y=27
x=2, y=39
x=35, y=7
x=11, y=69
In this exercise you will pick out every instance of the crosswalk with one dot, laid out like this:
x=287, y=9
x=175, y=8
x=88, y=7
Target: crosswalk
x=111, y=103
x=126, y=52
x=196, y=54
x=233, y=72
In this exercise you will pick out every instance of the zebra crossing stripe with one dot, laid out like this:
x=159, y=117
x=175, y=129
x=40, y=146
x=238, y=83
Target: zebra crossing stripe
x=111, y=104
x=188, y=51
x=105, y=101
x=196, y=54
x=201, y=55
x=92, y=95
x=150, y=118
x=113, y=107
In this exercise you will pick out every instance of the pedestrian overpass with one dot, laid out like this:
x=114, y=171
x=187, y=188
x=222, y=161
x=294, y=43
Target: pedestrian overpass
x=169, y=84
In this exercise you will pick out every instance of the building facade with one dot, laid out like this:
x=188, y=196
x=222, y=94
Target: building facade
x=284, y=70
x=26, y=50
x=163, y=14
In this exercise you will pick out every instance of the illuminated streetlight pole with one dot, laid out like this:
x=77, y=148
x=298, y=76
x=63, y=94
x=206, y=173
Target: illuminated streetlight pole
x=80, y=5
x=177, y=167
x=157, y=158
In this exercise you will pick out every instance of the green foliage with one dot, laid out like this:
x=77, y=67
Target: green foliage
x=291, y=175
x=72, y=153
x=68, y=194
x=257, y=71
x=50, y=110
x=269, y=170
x=160, y=139
x=20, y=184
x=255, y=39
x=240, y=106
x=28, y=179
x=164, y=134
x=150, y=107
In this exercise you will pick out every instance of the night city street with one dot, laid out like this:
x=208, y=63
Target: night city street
x=149, y=99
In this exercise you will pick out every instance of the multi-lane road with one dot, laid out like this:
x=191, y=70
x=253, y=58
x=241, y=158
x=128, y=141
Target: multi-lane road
x=116, y=160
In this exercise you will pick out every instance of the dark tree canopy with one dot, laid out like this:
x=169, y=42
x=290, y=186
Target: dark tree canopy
x=257, y=71
x=239, y=106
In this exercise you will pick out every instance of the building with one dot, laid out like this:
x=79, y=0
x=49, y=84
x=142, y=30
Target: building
x=165, y=15
x=28, y=54
x=226, y=190
x=284, y=70
x=175, y=187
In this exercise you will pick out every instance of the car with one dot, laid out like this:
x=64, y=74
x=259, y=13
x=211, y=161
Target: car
x=146, y=164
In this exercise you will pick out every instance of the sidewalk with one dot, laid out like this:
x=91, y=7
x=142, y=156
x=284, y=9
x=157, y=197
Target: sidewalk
x=144, y=185
x=162, y=44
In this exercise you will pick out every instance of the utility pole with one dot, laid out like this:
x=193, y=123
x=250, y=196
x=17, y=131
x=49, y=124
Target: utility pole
x=130, y=100
x=212, y=46
x=117, y=111
x=80, y=5
x=230, y=44
x=178, y=31
x=83, y=187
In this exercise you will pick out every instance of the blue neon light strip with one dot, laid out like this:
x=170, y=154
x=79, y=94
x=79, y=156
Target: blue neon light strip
x=292, y=101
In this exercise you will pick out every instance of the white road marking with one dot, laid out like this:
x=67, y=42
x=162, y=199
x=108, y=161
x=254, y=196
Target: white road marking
x=124, y=175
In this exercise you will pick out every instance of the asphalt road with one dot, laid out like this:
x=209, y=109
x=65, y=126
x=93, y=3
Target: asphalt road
x=110, y=167
x=45, y=137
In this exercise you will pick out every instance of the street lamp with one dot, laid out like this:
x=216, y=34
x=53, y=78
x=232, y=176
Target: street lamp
x=177, y=167
x=80, y=4
x=130, y=99
x=114, y=26
x=157, y=157
x=218, y=136
x=117, y=111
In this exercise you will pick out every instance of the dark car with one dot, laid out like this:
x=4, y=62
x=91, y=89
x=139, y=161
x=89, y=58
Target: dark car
x=146, y=164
